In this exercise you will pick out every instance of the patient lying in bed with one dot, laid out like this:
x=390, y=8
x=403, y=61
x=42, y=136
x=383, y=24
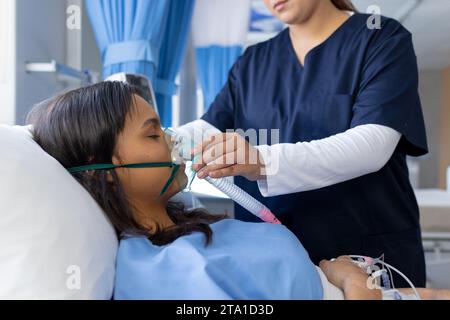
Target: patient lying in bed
x=167, y=252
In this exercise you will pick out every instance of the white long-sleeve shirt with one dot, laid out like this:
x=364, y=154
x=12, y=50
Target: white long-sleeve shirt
x=304, y=166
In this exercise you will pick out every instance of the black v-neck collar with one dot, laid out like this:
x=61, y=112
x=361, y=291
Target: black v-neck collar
x=289, y=47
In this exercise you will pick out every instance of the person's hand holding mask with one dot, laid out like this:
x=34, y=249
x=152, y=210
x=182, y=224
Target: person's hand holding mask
x=228, y=154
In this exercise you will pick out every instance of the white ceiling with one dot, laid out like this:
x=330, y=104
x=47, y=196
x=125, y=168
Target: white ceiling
x=428, y=21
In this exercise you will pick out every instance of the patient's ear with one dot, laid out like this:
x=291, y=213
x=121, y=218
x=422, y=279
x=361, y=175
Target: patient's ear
x=109, y=177
x=90, y=161
x=116, y=161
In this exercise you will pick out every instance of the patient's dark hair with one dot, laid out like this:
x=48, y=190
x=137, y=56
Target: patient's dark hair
x=81, y=127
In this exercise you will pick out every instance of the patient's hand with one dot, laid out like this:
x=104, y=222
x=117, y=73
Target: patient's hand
x=349, y=277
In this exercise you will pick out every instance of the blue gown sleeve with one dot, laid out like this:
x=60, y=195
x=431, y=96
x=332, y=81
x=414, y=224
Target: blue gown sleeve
x=388, y=91
x=221, y=112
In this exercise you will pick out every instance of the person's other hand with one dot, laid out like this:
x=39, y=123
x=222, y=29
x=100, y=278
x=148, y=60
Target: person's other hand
x=343, y=272
x=350, y=278
x=228, y=154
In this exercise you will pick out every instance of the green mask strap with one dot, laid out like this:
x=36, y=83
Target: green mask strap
x=108, y=166
x=172, y=176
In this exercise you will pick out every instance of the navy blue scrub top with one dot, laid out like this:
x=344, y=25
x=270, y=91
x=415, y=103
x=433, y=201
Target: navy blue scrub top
x=357, y=76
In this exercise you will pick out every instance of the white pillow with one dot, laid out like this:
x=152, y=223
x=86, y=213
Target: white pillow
x=55, y=241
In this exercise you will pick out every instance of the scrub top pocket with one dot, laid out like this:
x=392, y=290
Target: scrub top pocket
x=328, y=114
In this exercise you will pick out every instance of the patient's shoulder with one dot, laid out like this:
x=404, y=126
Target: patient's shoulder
x=260, y=230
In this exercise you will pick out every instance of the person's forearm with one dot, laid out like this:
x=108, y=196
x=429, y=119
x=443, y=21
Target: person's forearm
x=362, y=293
x=317, y=164
x=357, y=289
x=428, y=294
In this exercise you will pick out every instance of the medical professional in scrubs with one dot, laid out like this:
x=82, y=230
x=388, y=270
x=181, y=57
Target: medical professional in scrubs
x=344, y=97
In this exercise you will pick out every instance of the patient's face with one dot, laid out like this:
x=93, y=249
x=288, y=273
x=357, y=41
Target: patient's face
x=142, y=140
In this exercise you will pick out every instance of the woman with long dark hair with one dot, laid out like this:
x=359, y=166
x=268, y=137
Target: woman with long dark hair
x=167, y=252
x=342, y=91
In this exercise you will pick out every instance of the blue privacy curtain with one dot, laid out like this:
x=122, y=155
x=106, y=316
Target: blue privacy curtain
x=171, y=55
x=144, y=37
x=220, y=28
x=129, y=34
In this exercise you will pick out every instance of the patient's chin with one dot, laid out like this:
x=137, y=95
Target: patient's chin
x=179, y=183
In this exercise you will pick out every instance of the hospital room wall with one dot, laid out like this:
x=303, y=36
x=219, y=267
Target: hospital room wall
x=444, y=138
x=430, y=83
x=88, y=50
x=434, y=89
x=42, y=35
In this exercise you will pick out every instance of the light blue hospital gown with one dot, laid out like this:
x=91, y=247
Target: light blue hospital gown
x=244, y=261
